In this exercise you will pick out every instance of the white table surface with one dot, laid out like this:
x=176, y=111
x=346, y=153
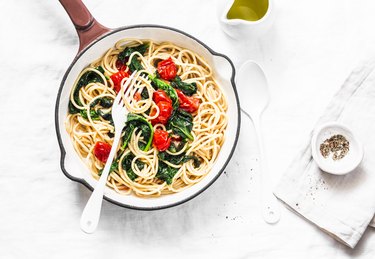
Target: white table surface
x=307, y=55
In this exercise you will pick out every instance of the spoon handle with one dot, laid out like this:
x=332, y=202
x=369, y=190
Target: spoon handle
x=270, y=206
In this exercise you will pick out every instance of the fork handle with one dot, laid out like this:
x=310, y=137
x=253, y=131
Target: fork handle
x=91, y=213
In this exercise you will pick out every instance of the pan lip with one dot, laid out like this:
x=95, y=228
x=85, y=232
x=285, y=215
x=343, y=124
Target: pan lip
x=61, y=144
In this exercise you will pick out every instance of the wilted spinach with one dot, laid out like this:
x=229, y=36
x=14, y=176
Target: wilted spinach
x=114, y=166
x=105, y=102
x=166, y=172
x=181, y=123
x=176, y=146
x=144, y=94
x=106, y=116
x=171, y=92
x=86, y=78
x=179, y=159
x=127, y=165
x=128, y=131
x=138, y=121
x=93, y=114
x=186, y=88
x=128, y=51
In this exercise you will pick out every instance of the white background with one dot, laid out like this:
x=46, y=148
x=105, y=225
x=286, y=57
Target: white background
x=307, y=55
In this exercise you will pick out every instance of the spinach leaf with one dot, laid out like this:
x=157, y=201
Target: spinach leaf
x=93, y=114
x=100, y=69
x=127, y=166
x=175, y=147
x=72, y=109
x=140, y=164
x=166, y=172
x=145, y=129
x=128, y=131
x=126, y=53
x=106, y=116
x=144, y=94
x=135, y=65
x=129, y=50
x=142, y=145
x=181, y=123
x=179, y=159
x=86, y=78
x=106, y=102
x=186, y=88
x=171, y=92
x=114, y=166
x=145, y=126
x=94, y=103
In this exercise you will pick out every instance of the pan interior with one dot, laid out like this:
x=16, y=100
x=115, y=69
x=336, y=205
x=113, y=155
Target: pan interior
x=223, y=73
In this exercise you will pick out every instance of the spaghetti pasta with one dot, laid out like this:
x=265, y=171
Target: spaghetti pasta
x=194, y=135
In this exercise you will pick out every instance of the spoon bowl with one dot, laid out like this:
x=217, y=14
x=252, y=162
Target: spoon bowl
x=253, y=86
x=254, y=99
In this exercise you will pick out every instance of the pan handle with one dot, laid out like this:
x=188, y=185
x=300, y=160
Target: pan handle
x=88, y=29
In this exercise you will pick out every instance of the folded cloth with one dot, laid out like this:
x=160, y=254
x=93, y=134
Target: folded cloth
x=342, y=206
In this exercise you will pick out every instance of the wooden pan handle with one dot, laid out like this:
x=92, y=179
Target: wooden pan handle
x=88, y=29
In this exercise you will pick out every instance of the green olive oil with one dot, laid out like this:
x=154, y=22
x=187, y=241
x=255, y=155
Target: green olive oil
x=249, y=10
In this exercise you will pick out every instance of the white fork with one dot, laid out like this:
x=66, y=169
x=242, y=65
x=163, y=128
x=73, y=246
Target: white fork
x=91, y=213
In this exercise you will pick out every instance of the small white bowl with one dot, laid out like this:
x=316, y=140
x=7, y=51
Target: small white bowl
x=342, y=166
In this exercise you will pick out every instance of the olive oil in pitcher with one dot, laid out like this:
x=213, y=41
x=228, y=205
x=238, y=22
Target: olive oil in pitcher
x=249, y=10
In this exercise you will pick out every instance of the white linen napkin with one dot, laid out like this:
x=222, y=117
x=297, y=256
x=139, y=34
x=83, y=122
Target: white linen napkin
x=342, y=206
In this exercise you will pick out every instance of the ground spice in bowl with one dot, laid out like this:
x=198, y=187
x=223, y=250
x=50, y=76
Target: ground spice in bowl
x=335, y=147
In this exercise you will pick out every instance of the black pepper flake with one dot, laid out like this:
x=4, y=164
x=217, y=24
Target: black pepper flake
x=336, y=146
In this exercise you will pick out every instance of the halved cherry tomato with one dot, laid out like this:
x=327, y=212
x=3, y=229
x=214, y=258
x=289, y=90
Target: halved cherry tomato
x=120, y=65
x=102, y=150
x=137, y=96
x=161, y=140
x=117, y=78
x=165, y=111
x=187, y=103
x=167, y=69
x=176, y=137
x=161, y=95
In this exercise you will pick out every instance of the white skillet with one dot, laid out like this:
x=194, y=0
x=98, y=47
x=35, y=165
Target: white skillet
x=95, y=39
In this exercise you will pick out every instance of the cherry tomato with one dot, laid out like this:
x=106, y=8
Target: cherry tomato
x=187, y=103
x=102, y=150
x=167, y=69
x=137, y=96
x=120, y=65
x=165, y=111
x=117, y=78
x=176, y=137
x=160, y=95
x=161, y=140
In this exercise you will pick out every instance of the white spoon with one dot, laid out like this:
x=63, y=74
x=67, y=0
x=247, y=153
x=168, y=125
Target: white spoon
x=254, y=99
